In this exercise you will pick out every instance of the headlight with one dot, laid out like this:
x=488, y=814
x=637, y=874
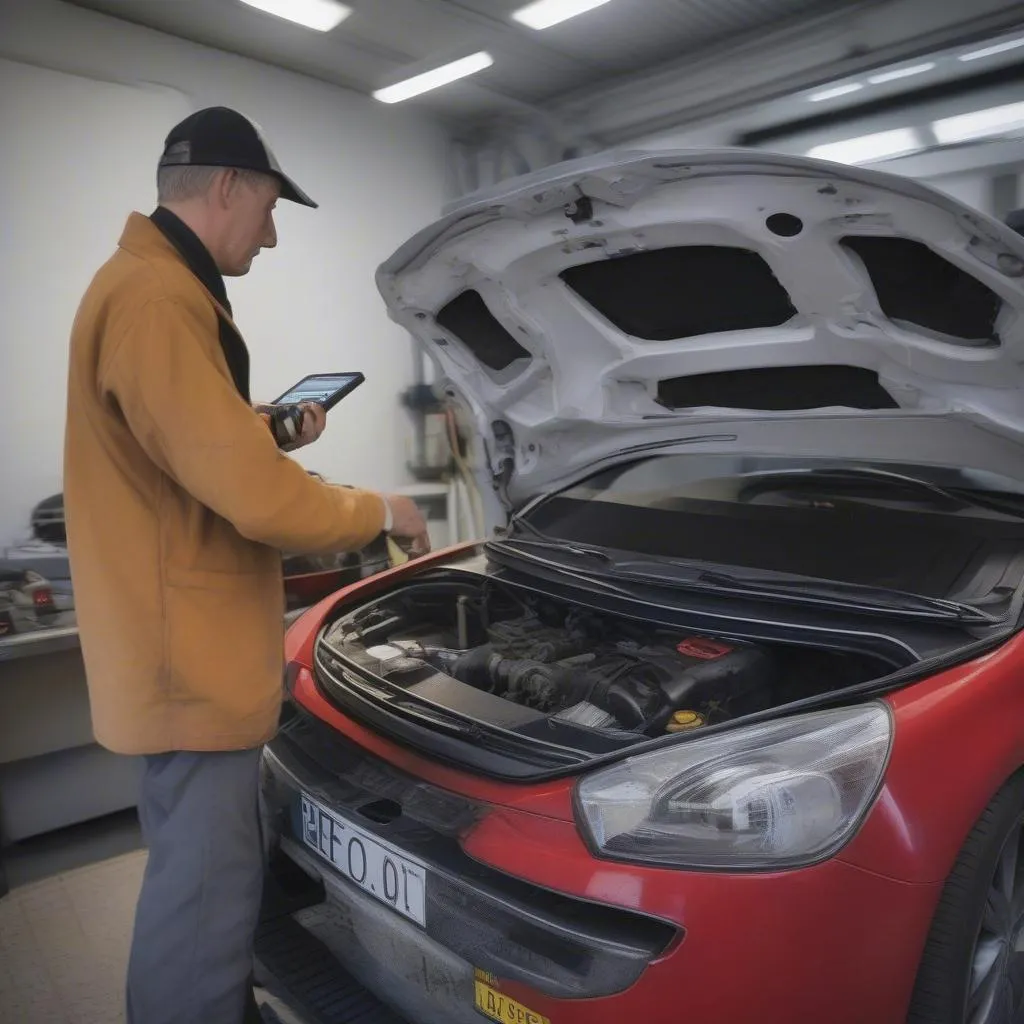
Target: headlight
x=776, y=795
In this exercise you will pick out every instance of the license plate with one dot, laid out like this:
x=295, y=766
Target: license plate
x=499, y=1007
x=376, y=867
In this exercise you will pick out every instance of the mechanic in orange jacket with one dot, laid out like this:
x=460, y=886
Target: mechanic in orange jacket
x=178, y=502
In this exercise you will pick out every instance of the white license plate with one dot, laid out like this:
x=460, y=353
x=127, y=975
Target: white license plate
x=377, y=868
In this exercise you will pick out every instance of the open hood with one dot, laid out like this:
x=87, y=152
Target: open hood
x=722, y=300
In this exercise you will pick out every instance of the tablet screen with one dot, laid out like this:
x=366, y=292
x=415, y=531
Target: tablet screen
x=326, y=389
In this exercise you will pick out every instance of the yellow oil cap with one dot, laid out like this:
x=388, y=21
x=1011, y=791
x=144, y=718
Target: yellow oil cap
x=683, y=720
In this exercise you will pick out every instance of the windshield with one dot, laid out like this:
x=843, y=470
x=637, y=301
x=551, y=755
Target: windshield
x=938, y=532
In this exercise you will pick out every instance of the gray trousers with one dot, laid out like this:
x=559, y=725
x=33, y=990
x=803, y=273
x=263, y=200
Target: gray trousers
x=191, y=956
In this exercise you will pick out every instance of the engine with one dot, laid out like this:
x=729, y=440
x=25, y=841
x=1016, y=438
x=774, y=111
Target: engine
x=582, y=672
x=507, y=658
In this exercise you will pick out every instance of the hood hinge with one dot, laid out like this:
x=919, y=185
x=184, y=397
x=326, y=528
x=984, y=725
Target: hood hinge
x=503, y=460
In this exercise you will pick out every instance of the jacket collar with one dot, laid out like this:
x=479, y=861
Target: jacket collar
x=165, y=236
x=143, y=238
x=193, y=252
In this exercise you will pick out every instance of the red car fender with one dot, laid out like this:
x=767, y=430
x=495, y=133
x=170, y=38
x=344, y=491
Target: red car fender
x=959, y=736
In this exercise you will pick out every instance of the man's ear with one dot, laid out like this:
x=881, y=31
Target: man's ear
x=225, y=184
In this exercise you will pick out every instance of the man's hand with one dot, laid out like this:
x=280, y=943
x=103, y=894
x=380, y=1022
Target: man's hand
x=408, y=527
x=314, y=420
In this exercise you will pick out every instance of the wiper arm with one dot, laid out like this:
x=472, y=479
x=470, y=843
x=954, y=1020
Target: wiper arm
x=539, y=539
x=562, y=547
x=900, y=479
x=958, y=497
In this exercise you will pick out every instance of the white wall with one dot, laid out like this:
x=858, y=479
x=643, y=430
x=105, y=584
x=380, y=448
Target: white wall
x=78, y=153
x=971, y=187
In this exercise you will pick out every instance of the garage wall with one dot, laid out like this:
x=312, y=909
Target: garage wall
x=85, y=101
x=971, y=188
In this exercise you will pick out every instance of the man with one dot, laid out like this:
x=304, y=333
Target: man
x=178, y=502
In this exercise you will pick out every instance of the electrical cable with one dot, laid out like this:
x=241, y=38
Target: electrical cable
x=475, y=500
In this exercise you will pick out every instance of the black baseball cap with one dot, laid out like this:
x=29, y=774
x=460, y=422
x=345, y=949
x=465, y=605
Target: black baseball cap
x=221, y=137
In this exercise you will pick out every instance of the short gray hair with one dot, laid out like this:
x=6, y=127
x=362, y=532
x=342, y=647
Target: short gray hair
x=177, y=183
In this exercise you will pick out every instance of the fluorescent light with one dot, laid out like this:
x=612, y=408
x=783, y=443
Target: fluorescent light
x=979, y=124
x=898, y=73
x=995, y=48
x=443, y=75
x=865, y=148
x=835, y=91
x=322, y=15
x=545, y=13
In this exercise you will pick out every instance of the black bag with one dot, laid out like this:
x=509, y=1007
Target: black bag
x=48, y=520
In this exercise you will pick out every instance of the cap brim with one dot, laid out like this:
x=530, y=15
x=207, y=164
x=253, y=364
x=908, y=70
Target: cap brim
x=294, y=194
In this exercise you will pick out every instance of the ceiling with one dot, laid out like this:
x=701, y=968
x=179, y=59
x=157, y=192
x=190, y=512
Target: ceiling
x=712, y=72
x=386, y=40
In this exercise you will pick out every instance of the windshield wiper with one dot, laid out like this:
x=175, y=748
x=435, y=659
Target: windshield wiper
x=562, y=547
x=957, y=497
x=539, y=539
x=831, y=592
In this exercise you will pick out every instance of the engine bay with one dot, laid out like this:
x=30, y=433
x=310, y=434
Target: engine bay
x=510, y=659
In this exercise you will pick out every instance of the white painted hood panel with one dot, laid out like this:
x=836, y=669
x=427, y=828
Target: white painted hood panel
x=585, y=391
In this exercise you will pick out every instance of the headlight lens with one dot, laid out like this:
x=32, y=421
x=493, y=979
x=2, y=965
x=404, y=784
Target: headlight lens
x=776, y=795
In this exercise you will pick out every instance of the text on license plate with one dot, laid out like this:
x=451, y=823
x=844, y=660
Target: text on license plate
x=377, y=868
x=500, y=1007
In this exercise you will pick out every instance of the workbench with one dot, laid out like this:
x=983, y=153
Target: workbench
x=52, y=772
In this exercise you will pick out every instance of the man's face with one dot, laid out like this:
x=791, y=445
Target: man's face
x=248, y=222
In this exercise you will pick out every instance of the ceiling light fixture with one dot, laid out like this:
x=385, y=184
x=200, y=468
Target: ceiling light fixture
x=434, y=79
x=980, y=124
x=894, y=76
x=993, y=50
x=321, y=15
x=835, y=92
x=545, y=13
x=865, y=148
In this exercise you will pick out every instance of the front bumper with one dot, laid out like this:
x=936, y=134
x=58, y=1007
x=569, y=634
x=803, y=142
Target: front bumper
x=830, y=942
x=477, y=918
x=423, y=981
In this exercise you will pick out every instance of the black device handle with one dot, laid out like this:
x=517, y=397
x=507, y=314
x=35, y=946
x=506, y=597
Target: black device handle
x=286, y=423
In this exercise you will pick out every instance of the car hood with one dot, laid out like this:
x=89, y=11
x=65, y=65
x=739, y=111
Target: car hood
x=721, y=301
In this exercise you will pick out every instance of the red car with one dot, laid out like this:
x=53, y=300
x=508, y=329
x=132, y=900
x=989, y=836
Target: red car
x=724, y=723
